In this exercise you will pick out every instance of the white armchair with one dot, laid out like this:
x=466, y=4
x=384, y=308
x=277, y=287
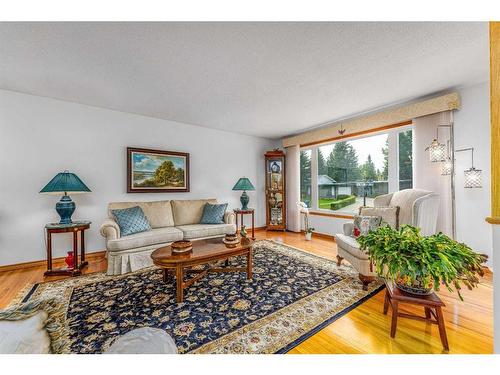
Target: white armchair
x=417, y=207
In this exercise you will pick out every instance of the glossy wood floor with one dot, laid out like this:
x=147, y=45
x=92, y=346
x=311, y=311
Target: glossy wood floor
x=365, y=329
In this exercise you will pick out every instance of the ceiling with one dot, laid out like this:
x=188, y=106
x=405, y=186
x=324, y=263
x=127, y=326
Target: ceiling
x=262, y=79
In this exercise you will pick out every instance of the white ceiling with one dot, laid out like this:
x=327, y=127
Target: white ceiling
x=263, y=79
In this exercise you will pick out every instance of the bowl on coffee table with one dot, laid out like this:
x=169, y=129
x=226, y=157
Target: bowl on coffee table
x=180, y=247
x=231, y=240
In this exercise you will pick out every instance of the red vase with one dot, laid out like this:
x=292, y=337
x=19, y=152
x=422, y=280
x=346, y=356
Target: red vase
x=69, y=259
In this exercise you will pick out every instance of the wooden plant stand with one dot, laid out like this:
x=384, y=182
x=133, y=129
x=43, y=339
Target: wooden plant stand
x=432, y=305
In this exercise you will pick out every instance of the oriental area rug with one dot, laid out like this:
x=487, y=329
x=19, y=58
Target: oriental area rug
x=293, y=294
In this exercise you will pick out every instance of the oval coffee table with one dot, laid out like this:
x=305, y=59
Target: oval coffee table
x=204, y=252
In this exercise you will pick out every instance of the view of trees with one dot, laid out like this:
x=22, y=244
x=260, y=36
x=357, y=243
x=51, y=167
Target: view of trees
x=368, y=172
x=385, y=172
x=342, y=164
x=322, y=168
x=305, y=175
x=405, y=159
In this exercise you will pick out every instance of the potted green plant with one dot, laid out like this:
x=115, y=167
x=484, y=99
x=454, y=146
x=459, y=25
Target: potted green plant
x=418, y=264
x=309, y=232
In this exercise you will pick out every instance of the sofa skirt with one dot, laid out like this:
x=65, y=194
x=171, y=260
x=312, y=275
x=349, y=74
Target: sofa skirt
x=120, y=262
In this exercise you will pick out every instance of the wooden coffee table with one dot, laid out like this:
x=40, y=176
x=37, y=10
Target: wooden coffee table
x=204, y=252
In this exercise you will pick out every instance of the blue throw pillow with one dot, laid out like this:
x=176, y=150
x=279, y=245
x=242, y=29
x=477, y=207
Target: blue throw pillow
x=213, y=213
x=131, y=220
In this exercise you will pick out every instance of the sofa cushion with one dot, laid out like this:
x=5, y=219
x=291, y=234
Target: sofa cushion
x=35, y=327
x=27, y=336
x=189, y=211
x=131, y=220
x=194, y=231
x=350, y=245
x=213, y=213
x=152, y=237
x=365, y=224
x=389, y=215
x=159, y=213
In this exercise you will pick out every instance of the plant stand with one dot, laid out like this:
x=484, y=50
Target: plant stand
x=431, y=303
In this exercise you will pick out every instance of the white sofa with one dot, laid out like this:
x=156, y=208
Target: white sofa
x=170, y=220
x=416, y=207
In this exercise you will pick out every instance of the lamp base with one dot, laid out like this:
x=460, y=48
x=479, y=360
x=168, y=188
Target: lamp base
x=244, y=199
x=65, y=208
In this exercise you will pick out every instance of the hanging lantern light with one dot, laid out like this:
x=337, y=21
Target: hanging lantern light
x=437, y=151
x=472, y=175
x=446, y=167
x=472, y=178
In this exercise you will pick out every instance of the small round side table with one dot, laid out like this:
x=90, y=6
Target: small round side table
x=250, y=211
x=75, y=228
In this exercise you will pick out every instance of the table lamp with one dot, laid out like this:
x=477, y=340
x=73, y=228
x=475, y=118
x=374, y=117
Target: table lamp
x=244, y=184
x=65, y=182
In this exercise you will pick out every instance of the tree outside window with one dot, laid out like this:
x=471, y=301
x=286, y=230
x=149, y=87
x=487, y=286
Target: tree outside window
x=305, y=177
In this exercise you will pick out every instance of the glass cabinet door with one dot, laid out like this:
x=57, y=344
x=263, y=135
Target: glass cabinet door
x=275, y=191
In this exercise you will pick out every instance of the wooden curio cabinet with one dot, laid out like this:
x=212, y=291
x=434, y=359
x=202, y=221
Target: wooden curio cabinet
x=275, y=190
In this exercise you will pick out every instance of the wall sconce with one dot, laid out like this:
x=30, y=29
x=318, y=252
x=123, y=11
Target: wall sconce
x=437, y=151
x=472, y=175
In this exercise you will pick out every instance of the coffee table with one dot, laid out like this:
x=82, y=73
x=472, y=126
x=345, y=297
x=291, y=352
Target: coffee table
x=204, y=252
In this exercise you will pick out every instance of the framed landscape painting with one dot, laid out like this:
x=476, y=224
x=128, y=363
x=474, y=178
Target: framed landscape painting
x=155, y=171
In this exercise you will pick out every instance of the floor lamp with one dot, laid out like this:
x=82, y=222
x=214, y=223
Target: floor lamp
x=437, y=153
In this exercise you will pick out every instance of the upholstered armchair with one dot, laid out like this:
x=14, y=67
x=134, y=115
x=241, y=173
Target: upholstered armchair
x=416, y=207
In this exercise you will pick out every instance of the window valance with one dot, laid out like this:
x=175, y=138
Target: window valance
x=385, y=118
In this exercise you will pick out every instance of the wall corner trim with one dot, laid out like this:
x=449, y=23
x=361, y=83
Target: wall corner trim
x=495, y=121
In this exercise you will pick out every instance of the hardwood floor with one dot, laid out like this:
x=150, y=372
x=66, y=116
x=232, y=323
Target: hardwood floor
x=365, y=329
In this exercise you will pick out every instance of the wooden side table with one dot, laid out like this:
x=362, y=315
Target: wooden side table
x=75, y=228
x=432, y=305
x=241, y=212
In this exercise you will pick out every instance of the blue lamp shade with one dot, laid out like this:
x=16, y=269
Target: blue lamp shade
x=244, y=184
x=65, y=182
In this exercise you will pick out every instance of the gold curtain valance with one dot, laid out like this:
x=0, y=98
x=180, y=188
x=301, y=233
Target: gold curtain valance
x=395, y=115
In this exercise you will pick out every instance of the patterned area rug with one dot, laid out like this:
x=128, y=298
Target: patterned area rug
x=292, y=295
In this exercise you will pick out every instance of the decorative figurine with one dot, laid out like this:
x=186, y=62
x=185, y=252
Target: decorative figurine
x=243, y=234
x=69, y=260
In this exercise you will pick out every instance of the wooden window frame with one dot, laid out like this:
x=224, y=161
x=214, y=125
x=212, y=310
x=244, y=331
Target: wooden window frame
x=313, y=146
